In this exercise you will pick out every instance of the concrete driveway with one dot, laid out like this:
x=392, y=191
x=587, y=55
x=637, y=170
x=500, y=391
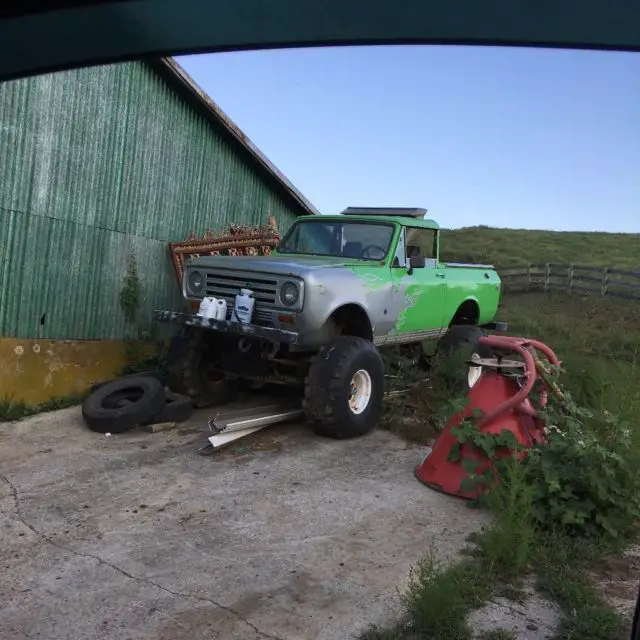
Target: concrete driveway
x=283, y=535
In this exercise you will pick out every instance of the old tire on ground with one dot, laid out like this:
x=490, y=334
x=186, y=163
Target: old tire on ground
x=177, y=408
x=158, y=375
x=104, y=410
x=459, y=345
x=188, y=373
x=345, y=388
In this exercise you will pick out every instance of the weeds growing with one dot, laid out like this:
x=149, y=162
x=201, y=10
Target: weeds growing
x=12, y=410
x=562, y=564
x=143, y=356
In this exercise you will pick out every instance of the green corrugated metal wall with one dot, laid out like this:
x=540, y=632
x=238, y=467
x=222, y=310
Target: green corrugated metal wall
x=96, y=164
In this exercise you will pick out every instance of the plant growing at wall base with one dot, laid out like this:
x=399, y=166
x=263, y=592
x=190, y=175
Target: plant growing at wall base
x=130, y=292
x=139, y=359
x=12, y=410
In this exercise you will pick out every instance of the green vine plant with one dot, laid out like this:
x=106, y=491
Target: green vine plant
x=488, y=447
x=130, y=292
x=582, y=481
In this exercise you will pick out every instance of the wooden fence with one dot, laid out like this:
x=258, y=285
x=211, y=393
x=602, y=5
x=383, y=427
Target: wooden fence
x=572, y=278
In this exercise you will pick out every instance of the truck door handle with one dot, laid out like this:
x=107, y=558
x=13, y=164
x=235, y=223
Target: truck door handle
x=440, y=275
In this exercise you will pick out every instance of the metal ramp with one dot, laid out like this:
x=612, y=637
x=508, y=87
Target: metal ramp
x=233, y=422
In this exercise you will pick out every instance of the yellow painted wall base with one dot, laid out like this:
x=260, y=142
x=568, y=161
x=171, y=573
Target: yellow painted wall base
x=34, y=371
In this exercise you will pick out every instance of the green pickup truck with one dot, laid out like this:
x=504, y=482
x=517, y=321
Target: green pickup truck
x=338, y=289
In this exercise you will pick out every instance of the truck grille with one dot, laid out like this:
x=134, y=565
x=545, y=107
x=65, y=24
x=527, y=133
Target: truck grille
x=227, y=284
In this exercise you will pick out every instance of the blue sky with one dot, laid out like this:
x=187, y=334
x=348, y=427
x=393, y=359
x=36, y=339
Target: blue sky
x=524, y=138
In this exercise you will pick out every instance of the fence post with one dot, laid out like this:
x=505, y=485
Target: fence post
x=570, y=275
x=605, y=281
x=525, y=274
x=547, y=269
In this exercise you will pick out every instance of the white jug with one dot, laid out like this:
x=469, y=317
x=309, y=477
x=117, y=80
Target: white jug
x=243, y=307
x=208, y=307
x=221, y=309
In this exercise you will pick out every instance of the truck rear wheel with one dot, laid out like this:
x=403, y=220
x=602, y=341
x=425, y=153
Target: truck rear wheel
x=456, y=348
x=345, y=388
x=189, y=373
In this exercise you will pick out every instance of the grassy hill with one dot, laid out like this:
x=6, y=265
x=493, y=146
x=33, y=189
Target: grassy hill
x=504, y=247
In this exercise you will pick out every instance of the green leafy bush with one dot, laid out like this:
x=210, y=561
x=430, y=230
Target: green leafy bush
x=583, y=482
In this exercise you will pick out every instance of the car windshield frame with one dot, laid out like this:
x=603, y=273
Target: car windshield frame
x=333, y=221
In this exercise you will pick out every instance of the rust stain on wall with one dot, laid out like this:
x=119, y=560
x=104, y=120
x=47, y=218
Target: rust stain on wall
x=34, y=371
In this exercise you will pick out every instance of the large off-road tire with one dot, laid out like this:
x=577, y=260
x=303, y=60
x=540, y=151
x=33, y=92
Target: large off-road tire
x=158, y=375
x=188, y=374
x=455, y=349
x=345, y=388
x=122, y=404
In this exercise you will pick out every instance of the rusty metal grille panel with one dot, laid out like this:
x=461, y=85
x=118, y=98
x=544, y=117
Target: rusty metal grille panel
x=226, y=284
x=96, y=163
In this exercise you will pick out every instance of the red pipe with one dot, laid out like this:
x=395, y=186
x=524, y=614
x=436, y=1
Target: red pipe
x=520, y=346
x=507, y=342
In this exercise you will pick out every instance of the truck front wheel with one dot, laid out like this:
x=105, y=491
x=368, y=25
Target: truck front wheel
x=457, y=347
x=345, y=388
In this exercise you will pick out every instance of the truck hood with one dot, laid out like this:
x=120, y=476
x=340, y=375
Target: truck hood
x=293, y=265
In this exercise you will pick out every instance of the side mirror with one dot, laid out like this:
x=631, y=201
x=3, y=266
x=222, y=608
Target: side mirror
x=415, y=262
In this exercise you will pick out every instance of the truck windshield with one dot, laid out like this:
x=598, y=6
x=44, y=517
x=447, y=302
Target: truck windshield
x=362, y=240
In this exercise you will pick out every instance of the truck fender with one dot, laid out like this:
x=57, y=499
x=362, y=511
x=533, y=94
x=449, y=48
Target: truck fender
x=350, y=319
x=468, y=312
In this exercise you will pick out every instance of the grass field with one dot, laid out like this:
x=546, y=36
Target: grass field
x=505, y=247
x=598, y=341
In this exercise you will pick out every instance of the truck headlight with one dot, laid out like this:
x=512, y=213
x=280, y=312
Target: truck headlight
x=195, y=282
x=289, y=294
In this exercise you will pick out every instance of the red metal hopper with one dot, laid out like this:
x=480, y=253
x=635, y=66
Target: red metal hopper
x=503, y=402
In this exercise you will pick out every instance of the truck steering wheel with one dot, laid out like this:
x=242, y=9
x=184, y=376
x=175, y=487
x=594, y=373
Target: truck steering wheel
x=373, y=246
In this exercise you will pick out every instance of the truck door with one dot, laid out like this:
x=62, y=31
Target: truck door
x=420, y=293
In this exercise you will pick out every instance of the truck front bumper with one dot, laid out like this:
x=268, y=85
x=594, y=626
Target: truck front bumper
x=281, y=336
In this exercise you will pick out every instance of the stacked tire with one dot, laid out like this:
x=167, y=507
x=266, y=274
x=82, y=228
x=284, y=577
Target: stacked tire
x=122, y=404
